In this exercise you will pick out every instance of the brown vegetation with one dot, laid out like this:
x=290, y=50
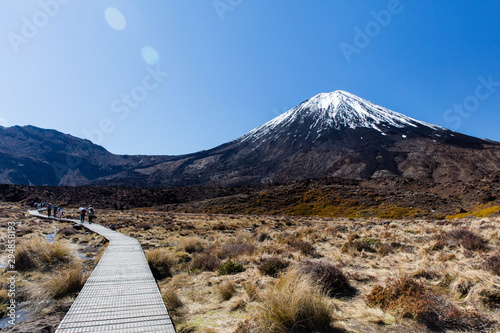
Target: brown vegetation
x=411, y=299
x=38, y=253
x=348, y=266
x=160, y=262
x=293, y=304
x=49, y=274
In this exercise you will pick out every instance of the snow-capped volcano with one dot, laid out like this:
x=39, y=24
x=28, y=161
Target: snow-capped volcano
x=333, y=134
x=336, y=110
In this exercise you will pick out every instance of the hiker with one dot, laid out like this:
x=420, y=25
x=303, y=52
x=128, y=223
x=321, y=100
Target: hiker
x=60, y=212
x=91, y=214
x=49, y=209
x=83, y=211
x=55, y=210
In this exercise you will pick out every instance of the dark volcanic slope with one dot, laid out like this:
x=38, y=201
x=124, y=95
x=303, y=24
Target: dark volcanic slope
x=330, y=135
x=35, y=156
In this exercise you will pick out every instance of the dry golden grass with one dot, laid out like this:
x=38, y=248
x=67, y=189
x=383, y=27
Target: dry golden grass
x=3, y=296
x=226, y=290
x=172, y=299
x=160, y=261
x=38, y=253
x=462, y=273
x=293, y=304
x=191, y=245
x=251, y=291
x=50, y=274
x=66, y=281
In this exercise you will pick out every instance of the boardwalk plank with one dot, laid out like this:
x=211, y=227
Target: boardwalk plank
x=121, y=294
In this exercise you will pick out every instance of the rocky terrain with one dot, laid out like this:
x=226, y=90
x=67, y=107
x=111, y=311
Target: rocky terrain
x=389, y=197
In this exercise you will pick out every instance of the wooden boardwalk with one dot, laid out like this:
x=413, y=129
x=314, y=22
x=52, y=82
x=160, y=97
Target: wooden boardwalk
x=121, y=294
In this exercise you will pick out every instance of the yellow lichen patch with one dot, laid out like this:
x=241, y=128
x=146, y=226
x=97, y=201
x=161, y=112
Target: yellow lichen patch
x=480, y=211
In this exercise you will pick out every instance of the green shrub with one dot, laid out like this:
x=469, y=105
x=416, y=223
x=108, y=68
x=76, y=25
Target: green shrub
x=230, y=267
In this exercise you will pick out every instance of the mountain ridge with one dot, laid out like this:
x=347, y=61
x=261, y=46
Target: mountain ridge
x=335, y=134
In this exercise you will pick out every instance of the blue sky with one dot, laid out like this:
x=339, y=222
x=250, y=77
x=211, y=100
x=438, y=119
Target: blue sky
x=173, y=77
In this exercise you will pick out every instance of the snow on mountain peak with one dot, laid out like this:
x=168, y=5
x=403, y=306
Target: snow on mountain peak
x=337, y=109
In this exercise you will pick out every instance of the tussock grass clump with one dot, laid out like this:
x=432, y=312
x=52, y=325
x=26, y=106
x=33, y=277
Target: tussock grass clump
x=411, y=299
x=293, y=304
x=230, y=267
x=356, y=244
x=144, y=226
x=235, y=249
x=263, y=236
x=67, y=281
x=388, y=248
x=226, y=290
x=192, y=245
x=303, y=246
x=329, y=276
x=205, y=262
x=219, y=227
x=492, y=264
x=4, y=298
x=4, y=302
x=468, y=239
x=39, y=254
x=237, y=303
x=67, y=231
x=160, y=262
x=252, y=291
x=273, y=266
x=172, y=300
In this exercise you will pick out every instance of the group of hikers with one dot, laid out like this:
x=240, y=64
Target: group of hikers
x=52, y=209
x=57, y=212
x=83, y=211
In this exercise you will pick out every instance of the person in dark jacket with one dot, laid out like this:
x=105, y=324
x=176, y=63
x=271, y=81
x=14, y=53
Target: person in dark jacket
x=91, y=214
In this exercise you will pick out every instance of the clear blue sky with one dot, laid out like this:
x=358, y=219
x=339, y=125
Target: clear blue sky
x=99, y=66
